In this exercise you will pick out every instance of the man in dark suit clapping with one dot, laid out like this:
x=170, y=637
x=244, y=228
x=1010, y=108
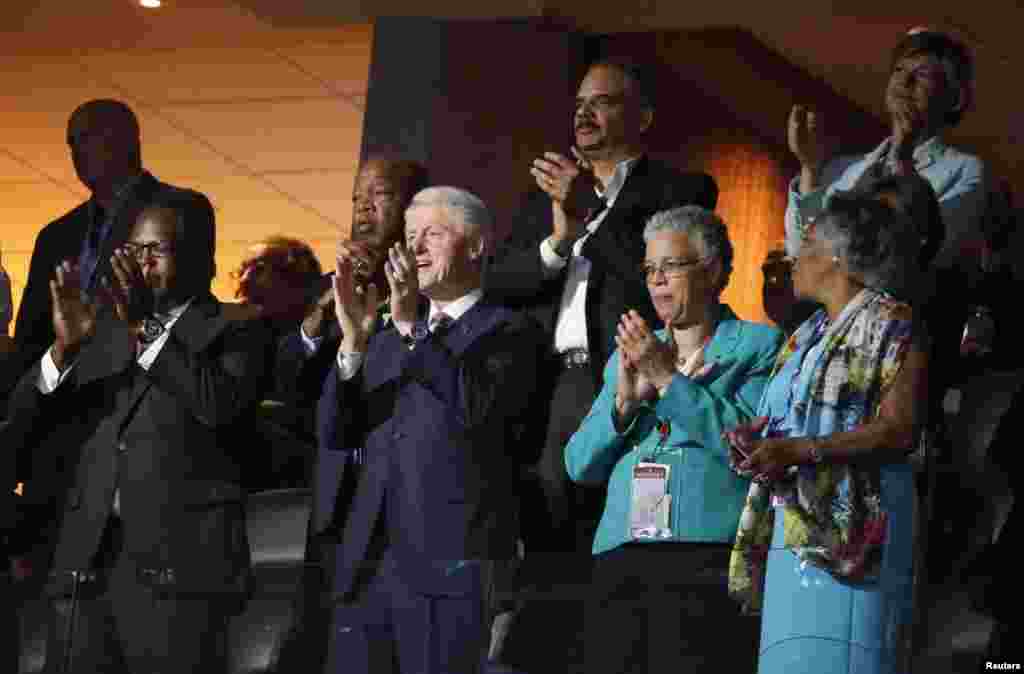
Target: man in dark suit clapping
x=128, y=416
x=106, y=150
x=434, y=402
x=573, y=262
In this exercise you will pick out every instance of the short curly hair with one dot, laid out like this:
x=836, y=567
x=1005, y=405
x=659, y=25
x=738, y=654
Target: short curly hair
x=914, y=197
x=292, y=258
x=876, y=242
x=703, y=226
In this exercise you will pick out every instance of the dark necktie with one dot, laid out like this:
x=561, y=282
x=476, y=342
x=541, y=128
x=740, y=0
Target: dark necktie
x=93, y=245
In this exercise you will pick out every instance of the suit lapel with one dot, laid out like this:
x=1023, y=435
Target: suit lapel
x=201, y=323
x=196, y=328
x=479, y=320
x=386, y=356
x=111, y=351
x=726, y=338
x=634, y=194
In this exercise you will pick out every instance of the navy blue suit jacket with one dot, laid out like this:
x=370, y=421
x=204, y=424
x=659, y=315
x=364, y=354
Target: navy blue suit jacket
x=441, y=428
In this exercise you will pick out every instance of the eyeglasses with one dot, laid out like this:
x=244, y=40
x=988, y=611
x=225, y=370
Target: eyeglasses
x=670, y=268
x=155, y=249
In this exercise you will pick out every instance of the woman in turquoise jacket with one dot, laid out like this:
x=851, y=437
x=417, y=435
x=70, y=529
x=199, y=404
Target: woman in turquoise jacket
x=654, y=437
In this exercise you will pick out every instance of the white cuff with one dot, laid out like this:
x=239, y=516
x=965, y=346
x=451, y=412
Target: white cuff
x=552, y=261
x=348, y=364
x=49, y=376
x=310, y=345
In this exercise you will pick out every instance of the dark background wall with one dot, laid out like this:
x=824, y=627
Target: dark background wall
x=478, y=101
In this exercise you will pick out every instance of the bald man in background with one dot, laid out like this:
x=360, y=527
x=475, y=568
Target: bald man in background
x=104, y=140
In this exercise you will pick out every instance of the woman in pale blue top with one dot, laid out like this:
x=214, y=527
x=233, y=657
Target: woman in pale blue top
x=663, y=543
x=930, y=88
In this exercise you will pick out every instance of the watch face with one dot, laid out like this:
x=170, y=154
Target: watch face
x=151, y=328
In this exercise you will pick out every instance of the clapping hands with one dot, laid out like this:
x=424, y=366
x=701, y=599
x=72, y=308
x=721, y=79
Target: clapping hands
x=74, y=316
x=355, y=305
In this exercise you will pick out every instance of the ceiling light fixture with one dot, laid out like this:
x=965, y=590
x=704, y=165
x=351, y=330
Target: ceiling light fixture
x=150, y=4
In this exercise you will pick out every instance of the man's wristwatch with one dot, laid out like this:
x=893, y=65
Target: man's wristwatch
x=151, y=330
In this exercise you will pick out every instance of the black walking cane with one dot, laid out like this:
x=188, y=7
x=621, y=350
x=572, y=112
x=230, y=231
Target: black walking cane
x=69, y=633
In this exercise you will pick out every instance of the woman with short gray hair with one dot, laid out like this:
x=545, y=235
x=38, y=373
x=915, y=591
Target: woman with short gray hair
x=828, y=521
x=703, y=227
x=654, y=438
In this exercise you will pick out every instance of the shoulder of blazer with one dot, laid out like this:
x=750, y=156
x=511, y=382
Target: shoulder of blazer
x=485, y=318
x=205, y=320
x=71, y=225
x=660, y=180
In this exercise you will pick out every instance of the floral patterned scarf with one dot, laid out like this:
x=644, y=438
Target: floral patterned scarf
x=833, y=514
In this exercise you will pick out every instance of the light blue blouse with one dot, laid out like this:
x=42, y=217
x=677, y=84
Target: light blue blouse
x=707, y=497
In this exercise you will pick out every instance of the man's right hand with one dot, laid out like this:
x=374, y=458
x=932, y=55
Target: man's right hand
x=74, y=318
x=318, y=314
x=571, y=187
x=810, y=145
x=354, y=305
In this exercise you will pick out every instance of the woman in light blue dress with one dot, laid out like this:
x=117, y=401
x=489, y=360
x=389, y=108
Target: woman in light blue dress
x=825, y=547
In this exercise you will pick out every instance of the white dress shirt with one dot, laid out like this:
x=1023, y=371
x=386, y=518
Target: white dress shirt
x=50, y=377
x=348, y=363
x=571, y=325
x=310, y=345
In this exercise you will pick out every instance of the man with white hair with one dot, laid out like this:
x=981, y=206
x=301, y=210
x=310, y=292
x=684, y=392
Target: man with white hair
x=434, y=402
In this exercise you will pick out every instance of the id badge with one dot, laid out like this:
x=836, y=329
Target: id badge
x=650, y=503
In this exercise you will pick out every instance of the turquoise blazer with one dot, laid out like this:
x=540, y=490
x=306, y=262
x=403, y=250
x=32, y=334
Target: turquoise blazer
x=707, y=497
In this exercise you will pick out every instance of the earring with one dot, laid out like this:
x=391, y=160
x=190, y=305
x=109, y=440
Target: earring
x=835, y=259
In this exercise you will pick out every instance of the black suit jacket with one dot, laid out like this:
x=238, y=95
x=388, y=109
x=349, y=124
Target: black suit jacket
x=61, y=240
x=615, y=251
x=441, y=427
x=163, y=437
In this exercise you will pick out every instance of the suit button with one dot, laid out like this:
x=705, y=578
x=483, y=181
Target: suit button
x=398, y=435
x=121, y=447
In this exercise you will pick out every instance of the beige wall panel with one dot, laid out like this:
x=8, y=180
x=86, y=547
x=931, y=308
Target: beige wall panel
x=284, y=135
x=176, y=154
x=24, y=210
x=15, y=169
x=248, y=209
x=329, y=192
x=344, y=63
x=222, y=74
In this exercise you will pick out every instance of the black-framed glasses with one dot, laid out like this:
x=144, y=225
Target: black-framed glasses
x=671, y=268
x=155, y=249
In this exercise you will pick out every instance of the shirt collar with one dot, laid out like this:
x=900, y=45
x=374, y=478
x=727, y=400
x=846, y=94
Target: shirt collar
x=173, y=314
x=924, y=153
x=622, y=171
x=460, y=306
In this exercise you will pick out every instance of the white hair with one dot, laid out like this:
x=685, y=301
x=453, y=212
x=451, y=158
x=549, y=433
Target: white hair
x=467, y=208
